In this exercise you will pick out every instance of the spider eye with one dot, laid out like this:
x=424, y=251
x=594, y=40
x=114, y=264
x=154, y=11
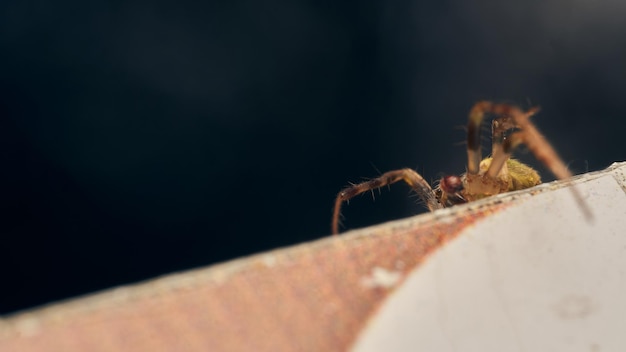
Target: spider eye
x=451, y=184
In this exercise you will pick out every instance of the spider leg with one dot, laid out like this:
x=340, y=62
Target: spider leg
x=544, y=152
x=411, y=177
x=539, y=146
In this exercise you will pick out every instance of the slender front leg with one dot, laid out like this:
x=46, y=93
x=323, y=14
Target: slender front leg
x=411, y=177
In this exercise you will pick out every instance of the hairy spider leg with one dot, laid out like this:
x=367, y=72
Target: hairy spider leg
x=540, y=147
x=411, y=177
x=544, y=152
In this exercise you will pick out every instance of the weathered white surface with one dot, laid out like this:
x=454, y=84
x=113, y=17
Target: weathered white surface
x=537, y=276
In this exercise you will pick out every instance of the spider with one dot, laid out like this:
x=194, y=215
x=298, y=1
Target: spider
x=496, y=174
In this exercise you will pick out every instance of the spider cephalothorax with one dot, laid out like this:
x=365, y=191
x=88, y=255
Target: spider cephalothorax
x=499, y=173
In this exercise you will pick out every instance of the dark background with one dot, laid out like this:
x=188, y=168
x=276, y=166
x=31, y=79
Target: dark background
x=139, y=138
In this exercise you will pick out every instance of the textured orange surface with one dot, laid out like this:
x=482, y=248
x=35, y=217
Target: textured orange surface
x=311, y=297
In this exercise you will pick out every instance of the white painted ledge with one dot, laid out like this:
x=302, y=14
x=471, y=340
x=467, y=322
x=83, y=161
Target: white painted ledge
x=522, y=271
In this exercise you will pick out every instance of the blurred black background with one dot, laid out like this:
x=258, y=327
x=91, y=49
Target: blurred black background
x=139, y=138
